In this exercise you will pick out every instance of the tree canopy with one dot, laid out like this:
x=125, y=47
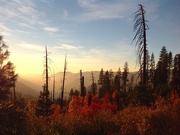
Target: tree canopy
x=8, y=76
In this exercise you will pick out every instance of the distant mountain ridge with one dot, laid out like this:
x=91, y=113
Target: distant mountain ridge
x=33, y=86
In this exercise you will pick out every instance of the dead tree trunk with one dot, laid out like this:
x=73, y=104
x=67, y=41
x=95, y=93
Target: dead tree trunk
x=64, y=75
x=82, y=84
x=93, y=84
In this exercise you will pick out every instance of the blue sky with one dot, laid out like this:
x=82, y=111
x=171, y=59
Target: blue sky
x=94, y=34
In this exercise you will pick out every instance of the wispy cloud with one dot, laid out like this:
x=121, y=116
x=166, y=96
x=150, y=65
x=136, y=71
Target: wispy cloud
x=26, y=25
x=25, y=11
x=23, y=32
x=31, y=46
x=67, y=47
x=4, y=28
x=5, y=31
x=51, y=29
x=24, y=14
x=95, y=10
x=106, y=10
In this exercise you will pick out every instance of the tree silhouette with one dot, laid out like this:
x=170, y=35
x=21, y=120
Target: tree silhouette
x=7, y=73
x=44, y=103
x=140, y=28
x=125, y=76
x=117, y=80
x=162, y=73
x=82, y=84
x=64, y=76
x=152, y=71
x=107, y=82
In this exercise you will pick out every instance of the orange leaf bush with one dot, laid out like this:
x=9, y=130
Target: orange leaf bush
x=90, y=115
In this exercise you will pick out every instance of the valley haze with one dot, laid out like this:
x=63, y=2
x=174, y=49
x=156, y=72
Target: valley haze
x=32, y=84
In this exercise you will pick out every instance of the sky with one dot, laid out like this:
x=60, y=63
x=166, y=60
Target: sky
x=94, y=34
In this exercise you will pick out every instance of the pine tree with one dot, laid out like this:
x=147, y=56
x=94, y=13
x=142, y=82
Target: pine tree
x=162, y=73
x=8, y=77
x=125, y=76
x=101, y=76
x=152, y=71
x=117, y=80
x=162, y=68
x=44, y=103
x=107, y=83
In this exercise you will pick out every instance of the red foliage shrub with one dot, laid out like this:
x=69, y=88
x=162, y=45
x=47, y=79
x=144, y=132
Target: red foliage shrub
x=79, y=105
x=75, y=105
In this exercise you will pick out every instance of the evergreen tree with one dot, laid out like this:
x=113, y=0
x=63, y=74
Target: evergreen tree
x=107, y=82
x=44, y=103
x=101, y=76
x=162, y=68
x=111, y=78
x=162, y=73
x=152, y=71
x=117, y=80
x=7, y=73
x=125, y=76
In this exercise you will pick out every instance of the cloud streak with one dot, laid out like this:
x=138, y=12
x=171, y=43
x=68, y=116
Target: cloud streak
x=94, y=10
x=67, y=47
x=31, y=46
x=51, y=29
